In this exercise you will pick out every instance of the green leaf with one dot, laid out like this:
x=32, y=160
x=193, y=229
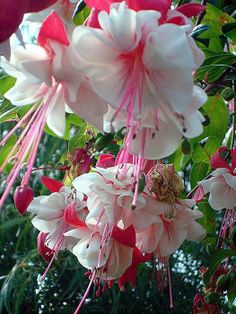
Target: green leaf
x=80, y=18
x=218, y=114
x=9, y=115
x=208, y=221
x=204, y=153
x=198, y=172
x=216, y=18
x=12, y=223
x=231, y=293
x=6, y=82
x=229, y=30
x=215, y=261
x=7, y=148
x=78, y=140
x=214, y=66
x=179, y=159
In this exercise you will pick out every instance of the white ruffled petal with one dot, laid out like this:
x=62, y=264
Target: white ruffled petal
x=56, y=115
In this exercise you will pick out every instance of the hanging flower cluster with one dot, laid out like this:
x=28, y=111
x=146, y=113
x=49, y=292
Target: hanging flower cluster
x=97, y=221
x=129, y=67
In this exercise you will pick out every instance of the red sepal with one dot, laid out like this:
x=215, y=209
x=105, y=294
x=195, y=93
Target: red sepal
x=51, y=184
x=71, y=218
x=131, y=271
x=233, y=156
x=106, y=161
x=43, y=250
x=53, y=29
x=177, y=20
x=191, y=9
x=124, y=236
x=217, y=161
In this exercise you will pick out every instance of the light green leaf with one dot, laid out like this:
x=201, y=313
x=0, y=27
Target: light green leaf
x=6, y=82
x=198, y=172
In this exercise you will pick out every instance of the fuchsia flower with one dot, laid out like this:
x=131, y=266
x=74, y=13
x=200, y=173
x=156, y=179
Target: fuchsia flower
x=111, y=254
x=142, y=68
x=37, y=70
x=160, y=227
x=222, y=184
x=163, y=6
x=46, y=79
x=49, y=219
x=64, y=8
x=155, y=124
x=96, y=219
x=11, y=16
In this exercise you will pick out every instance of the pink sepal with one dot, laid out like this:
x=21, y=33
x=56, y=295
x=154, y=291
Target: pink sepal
x=51, y=184
x=71, y=218
x=217, y=161
x=43, y=250
x=124, y=236
x=191, y=9
x=53, y=29
x=198, y=195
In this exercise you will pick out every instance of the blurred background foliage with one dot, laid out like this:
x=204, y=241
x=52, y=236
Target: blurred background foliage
x=21, y=266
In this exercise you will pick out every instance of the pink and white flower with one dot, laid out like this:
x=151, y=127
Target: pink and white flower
x=64, y=8
x=144, y=72
x=177, y=16
x=222, y=184
x=161, y=228
x=109, y=192
x=138, y=65
x=50, y=216
x=149, y=133
x=106, y=253
x=47, y=80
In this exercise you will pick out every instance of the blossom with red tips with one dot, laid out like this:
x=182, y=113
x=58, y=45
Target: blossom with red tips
x=178, y=16
x=49, y=217
x=132, y=67
x=222, y=183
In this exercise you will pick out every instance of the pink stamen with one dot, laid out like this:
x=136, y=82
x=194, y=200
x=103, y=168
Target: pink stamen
x=170, y=286
x=28, y=141
x=86, y=292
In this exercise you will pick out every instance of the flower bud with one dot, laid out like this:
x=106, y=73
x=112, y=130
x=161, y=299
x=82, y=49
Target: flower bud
x=23, y=196
x=185, y=147
x=228, y=93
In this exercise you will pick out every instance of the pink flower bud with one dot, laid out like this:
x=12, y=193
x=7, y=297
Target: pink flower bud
x=106, y=161
x=23, y=196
